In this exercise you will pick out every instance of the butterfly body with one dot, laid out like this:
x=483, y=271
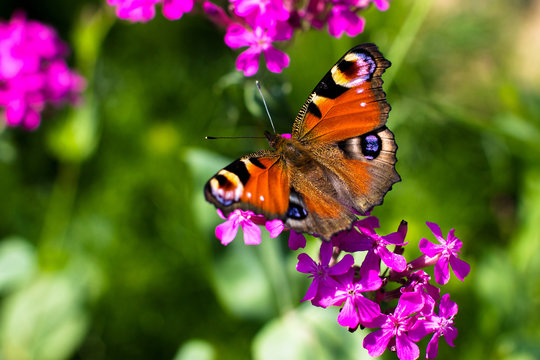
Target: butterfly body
x=339, y=161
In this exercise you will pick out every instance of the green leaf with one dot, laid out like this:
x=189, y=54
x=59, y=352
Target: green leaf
x=308, y=333
x=196, y=349
x=17, y=263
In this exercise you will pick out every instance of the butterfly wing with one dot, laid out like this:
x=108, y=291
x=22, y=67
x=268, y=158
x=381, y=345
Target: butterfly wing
x=343, y=124
x=255, y=182
x=348, y=101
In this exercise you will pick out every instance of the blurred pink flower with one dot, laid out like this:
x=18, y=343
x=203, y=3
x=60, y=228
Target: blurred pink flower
x=259, y=39
x=343, y=18
x=33, y=71
x=145, y=10
x=265, y=12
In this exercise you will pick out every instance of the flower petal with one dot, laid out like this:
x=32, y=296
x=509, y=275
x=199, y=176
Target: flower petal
x=238, y=36
x=274, y=227
x=348, y=316
x=306, y=264
x=406, y=348
x=227, y=231
x=248, y=62
x=419, y=330
x=252, y=233
x=447, y=307
x=432, y=347
x=450, y=334
x=376, y=342
x=393, y=261
x=429, y=249
x=460, y=267
x=275, y=60
x=367, y=309
x=442, y=271
x=409, y=303
x=342, y=266
x=312, y=290
x=174, y=9
x=296, y=240
x=381, y=5
x=369, y=273
x=436, y=230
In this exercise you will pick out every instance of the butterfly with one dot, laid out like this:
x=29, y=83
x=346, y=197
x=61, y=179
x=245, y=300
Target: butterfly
x=338, y=162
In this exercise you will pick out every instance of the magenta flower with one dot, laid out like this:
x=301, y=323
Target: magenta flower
x=438, y=325
x=227, y=231
x=145, y=10
x=33, y=72
x=321, y=272
x=265, y=12
x=343, y=19
x=396, y=325
x=259, y=40
x=447, y=253
x=357, y=309
x=366, y=239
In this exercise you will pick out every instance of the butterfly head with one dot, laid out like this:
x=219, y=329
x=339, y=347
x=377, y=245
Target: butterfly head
x=274, y=140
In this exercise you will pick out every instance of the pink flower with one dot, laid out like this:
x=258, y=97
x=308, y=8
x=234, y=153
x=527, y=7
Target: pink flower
x=33, y=71
x=441, y=325
x=265, y=12
x=357, y=309
x=135, y=10
x=343, y=19
x=396, y=325
x=145, y=10
x=259, y=40
x=227, y=231
x=447, y=253
x=321, y=272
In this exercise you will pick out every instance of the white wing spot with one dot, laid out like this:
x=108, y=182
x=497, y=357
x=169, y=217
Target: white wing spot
x=359, y=91
x=363, y=104
x=249, y=195
x=261, y=197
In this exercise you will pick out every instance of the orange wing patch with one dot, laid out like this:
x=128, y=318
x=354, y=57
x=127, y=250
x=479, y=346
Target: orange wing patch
x=266, y=188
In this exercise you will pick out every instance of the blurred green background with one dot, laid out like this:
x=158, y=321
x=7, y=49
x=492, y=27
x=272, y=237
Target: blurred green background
x=108, y=247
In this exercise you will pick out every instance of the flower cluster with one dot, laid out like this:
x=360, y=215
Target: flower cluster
x=145, y=10
x=257, y=25
x=363, y=290
x=33, y=71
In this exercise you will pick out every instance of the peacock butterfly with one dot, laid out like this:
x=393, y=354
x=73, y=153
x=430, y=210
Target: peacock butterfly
x=339, y=161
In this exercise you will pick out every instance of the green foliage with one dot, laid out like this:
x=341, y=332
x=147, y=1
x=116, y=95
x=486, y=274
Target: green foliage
x=108, y=247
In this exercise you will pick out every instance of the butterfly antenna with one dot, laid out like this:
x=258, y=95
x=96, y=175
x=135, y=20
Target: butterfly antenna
x=233, y=137
x=264, y=102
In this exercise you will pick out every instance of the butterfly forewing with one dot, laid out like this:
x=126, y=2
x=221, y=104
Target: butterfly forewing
x=348, y=101
x=255, y=182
